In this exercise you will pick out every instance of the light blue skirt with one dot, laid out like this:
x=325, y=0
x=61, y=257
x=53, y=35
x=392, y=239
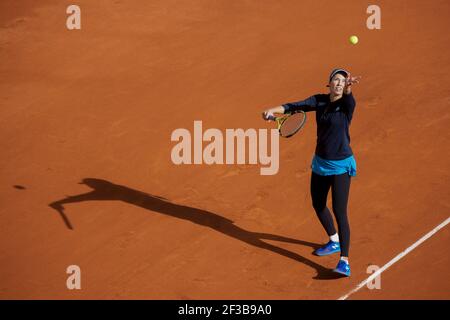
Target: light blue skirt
x=334, y=167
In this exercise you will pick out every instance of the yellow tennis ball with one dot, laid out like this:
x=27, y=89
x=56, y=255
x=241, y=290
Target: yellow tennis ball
x=353, y=39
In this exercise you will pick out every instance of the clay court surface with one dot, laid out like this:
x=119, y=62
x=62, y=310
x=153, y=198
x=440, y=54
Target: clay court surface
x=98, y=106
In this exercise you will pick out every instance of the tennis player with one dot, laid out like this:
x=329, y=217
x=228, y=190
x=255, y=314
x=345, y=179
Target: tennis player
x=333, y=163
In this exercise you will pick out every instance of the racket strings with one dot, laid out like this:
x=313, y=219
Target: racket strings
x=292, y=124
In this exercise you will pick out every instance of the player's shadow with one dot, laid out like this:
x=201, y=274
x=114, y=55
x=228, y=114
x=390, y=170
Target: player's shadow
x=105, y=190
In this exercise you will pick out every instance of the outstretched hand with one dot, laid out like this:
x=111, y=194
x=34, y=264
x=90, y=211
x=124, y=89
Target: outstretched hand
x=268, y=115
x=351, y=80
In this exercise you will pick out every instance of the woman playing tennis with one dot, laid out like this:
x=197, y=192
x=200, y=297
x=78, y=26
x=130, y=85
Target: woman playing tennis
x=333, y=163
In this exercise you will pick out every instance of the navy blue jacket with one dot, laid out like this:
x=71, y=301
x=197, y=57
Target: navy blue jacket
x=333, y=121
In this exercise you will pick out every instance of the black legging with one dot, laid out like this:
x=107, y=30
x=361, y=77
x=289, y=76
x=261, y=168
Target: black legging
x=340, y=186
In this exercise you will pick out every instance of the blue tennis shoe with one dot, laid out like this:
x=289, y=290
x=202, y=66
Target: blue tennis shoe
x=343, y=268
x=330, y=248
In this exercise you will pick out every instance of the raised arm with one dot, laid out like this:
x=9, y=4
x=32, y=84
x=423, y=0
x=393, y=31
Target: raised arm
x=347, y=98
x=349, y=103
x=302, y=105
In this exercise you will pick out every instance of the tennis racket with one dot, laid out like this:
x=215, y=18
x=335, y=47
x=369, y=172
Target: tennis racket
x=289, y=124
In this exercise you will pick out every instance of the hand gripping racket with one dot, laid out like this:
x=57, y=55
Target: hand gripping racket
x=289, y=124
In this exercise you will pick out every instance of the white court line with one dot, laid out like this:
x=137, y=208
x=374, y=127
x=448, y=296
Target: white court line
x=398, y=257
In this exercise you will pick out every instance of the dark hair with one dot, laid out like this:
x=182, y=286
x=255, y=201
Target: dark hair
x=343, y=72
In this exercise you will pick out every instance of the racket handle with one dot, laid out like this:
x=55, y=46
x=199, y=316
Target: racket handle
x=270, y=117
